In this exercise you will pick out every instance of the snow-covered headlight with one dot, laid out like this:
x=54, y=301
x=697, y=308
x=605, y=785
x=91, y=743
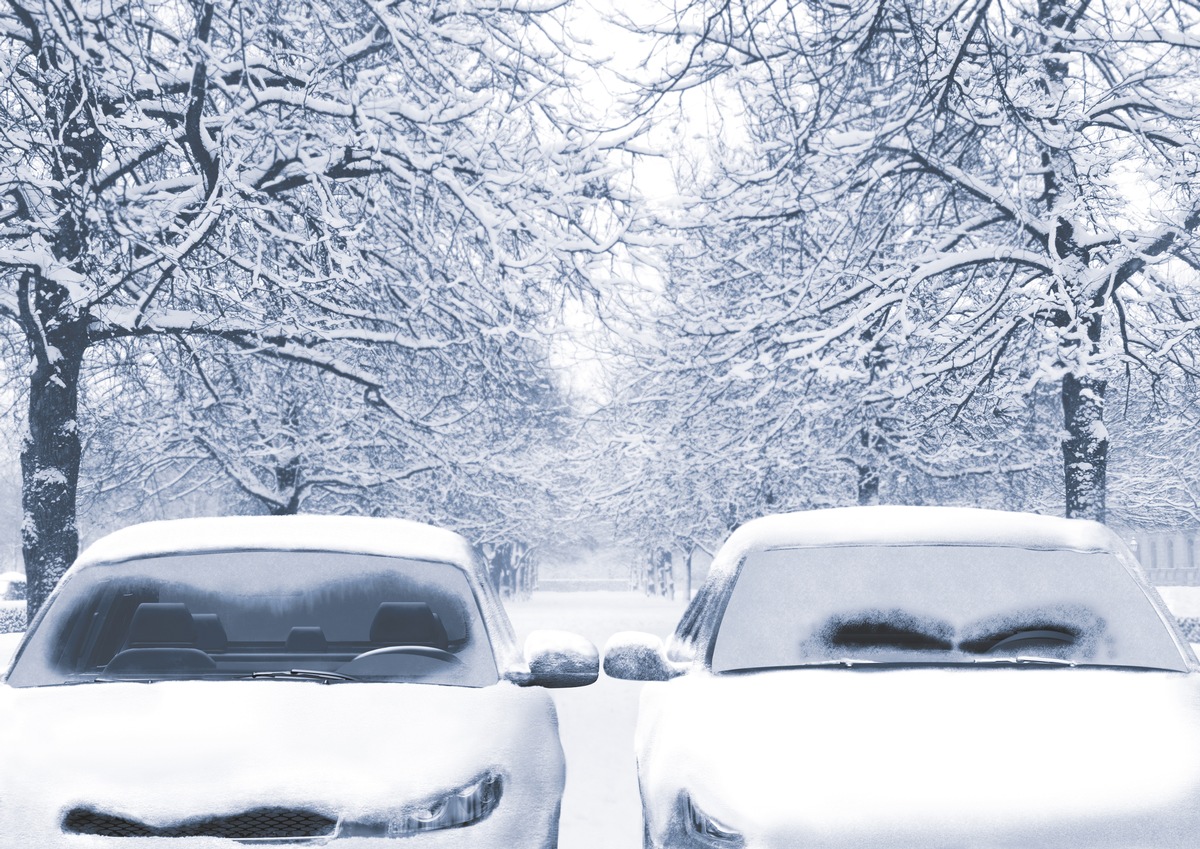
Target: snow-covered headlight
x=465, y=806
x=705, y=830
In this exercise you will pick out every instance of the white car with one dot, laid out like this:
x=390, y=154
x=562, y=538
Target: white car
x=289, y=680
x=918, y=678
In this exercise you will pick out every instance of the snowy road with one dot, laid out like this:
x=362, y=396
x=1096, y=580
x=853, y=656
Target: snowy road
x=601, y=809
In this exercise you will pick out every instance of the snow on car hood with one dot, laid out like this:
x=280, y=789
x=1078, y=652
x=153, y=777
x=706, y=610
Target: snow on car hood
x=172, y=751
x=930, y=757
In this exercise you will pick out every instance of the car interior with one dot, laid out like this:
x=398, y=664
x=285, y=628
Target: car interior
x=166, y=637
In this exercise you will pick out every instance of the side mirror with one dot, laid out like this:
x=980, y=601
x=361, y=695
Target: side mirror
x=558, y=659
x=635, y=656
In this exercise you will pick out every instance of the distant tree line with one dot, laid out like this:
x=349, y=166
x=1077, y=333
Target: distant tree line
x=335, y=256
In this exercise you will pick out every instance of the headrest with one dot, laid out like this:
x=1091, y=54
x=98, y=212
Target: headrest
x=408, y=623
x=161, y=624
x=306, y=638
x=210, y=633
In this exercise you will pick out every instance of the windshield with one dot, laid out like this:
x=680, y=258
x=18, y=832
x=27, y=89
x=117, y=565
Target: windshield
x=939, y=605
x=319, y=616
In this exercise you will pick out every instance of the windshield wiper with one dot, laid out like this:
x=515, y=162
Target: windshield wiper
x=1027, y=658
x=300, y=675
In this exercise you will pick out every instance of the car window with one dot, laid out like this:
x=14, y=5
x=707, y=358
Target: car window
x=334, y=616
x=939, y=605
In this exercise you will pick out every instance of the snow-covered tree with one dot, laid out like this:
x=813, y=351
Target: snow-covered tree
x=943, y=207
x=305, y=181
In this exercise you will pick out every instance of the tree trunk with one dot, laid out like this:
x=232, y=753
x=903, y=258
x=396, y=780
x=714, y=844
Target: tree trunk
x=1085, y=448
x=50, y=459
x=56, y=332
x=287, y=484
x=868, y=484
x=691, y=556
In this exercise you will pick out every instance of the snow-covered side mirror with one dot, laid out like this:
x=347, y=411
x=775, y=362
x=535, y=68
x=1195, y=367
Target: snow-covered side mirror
x=635, y=656
x=559, y=659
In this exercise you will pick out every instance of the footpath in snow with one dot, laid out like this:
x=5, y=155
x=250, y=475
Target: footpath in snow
x=601, y=808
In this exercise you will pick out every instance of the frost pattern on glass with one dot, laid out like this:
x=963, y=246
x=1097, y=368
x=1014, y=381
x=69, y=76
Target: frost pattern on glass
x=322, y=616
x=955, y=604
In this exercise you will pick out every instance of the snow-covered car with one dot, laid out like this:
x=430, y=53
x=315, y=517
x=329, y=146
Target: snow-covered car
x=918, y=678
x=285, y=680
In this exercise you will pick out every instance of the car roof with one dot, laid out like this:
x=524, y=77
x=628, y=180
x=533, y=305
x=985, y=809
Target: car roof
x=911, y=525
x=907, y=525
x=351, y=534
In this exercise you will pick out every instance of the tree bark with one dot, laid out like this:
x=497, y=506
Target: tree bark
x=868, y=484
x=691, y=556
x=50, y=460
x=1085, y=448
x=867, y=471
x=56, y=331
x=287, y=484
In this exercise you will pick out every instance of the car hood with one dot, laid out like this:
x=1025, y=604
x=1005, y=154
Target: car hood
x=172, y=751
x=930, y=757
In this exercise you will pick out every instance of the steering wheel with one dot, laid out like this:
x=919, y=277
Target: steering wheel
x=412, y=651
x=1043, y=636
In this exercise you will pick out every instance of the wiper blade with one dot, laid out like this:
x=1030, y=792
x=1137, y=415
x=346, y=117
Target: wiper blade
x=300, y=674
x=847, y=662
x=1027, y=658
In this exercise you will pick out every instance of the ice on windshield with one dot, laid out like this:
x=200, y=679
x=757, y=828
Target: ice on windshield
x=939, y=604
x=320, y=616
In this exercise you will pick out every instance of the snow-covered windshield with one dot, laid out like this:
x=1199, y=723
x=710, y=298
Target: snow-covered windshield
x=304, y=615
x=939, y=604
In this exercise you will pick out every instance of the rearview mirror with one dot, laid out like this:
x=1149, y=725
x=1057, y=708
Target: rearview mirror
x=635, y=656
x=558, y=659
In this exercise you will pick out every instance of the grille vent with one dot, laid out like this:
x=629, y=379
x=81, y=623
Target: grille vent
x=252, y=825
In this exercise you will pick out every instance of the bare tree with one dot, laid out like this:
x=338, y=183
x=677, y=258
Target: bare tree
x=304, y=181
x=1002, y=193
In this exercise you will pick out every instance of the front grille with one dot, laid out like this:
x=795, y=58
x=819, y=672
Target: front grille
x=252, y=825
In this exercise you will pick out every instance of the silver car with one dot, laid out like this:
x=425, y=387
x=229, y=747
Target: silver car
x=918, y=678
x=302, y=679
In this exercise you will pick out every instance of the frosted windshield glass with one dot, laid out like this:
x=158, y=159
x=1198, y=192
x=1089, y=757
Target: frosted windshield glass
x=241, y=614
x=939, y=604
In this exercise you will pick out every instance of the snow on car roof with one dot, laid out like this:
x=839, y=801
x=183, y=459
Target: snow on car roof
x=895, y=525
x=352, y=534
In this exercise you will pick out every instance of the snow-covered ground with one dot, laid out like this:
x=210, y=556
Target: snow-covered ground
x=1183, y=601
x=601, y=809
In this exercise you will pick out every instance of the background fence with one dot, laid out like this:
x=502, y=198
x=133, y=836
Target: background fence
x=1169, y=559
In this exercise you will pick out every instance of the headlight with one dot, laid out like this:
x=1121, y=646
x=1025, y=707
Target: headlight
x=706, y=830
x=465, y=806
